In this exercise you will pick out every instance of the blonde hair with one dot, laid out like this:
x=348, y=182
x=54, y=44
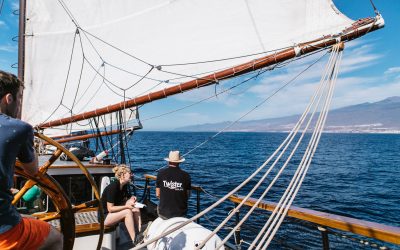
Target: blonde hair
x=120, y=170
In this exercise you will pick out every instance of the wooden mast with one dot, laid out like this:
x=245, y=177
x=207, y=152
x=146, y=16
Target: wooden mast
x=359, y=28
x=21, y=48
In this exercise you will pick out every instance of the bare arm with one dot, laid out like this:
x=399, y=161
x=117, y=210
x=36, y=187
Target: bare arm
x=158, y=193
x=31, y=167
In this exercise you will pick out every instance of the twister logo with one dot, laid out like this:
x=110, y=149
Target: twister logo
x=177, y=186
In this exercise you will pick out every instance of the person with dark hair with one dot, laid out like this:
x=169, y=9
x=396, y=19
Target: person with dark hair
x=16, y=141
x=119, y=205
x=173, y=187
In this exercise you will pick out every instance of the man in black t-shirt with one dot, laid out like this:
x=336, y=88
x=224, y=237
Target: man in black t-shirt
x=173, y=188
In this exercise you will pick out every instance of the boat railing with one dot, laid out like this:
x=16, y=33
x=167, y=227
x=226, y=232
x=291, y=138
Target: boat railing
x=390, y=234
x=322, y=220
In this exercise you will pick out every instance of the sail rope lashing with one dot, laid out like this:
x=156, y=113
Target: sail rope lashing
x=286, y=144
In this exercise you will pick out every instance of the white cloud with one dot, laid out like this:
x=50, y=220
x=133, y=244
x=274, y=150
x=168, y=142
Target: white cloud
x=393, y=70
x=14, y=4
x=3, y=24
x=372, y=93
x=8, y=48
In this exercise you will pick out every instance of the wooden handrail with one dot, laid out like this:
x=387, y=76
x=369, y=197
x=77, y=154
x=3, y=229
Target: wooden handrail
x=374, y=230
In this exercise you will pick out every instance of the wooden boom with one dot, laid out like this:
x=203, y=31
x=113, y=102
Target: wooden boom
x=369, y=229
x=68, y=138
x=358, y=29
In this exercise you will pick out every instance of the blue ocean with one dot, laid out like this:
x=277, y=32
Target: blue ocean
x=354, y=175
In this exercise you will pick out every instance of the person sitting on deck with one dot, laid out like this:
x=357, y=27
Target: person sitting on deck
x=117, y=203
x=16, y=140
x=173, y=187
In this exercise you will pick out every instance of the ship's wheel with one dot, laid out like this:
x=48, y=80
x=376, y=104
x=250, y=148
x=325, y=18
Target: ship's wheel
x=64, y=211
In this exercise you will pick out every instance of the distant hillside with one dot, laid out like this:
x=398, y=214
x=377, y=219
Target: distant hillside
x=377, y=117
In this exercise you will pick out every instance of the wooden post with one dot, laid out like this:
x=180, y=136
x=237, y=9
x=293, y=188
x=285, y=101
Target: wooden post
x=198, y=204
x=237, y=232
x=325, y=238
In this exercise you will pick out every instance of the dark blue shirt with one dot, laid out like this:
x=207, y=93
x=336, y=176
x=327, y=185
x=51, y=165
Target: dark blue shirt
x=16, y=140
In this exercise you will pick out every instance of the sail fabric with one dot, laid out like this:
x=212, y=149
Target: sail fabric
x=128, y=48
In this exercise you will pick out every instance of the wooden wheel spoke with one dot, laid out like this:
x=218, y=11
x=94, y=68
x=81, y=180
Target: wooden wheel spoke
x=23, y=190
x=57, y=195
x=48, y=216
x=84, y=205
x=49, y=162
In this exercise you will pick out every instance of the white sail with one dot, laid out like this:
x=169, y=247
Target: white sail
x=158, y=32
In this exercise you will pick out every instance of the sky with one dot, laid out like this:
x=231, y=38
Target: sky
x=370, y=71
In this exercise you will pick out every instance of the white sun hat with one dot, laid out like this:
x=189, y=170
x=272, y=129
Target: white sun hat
x=174, y=156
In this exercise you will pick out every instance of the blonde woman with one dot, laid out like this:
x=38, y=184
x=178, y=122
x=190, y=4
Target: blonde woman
x=117, y=203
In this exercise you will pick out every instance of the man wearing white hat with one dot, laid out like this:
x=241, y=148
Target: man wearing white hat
x=173, y=188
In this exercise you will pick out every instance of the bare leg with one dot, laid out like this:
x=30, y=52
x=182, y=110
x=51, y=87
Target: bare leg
x=53, y=241
x=137, y=218
x=127, y=216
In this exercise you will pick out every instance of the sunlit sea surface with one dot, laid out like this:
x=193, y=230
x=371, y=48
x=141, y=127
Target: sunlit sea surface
x=354, y=175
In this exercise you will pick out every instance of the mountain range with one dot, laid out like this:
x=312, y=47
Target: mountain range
x=377, y=117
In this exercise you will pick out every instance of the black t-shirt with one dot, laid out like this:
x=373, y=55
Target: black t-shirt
x=174, y=184
x=113, y=194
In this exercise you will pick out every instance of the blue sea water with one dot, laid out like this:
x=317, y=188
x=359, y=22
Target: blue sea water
x=354, y=175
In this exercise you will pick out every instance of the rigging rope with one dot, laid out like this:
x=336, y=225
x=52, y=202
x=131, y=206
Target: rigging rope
x=1, y=6
x=255, y=107
x=322, y=91
x=306, y=161
x=226, y=90
x=291, y=136
x=374, y=7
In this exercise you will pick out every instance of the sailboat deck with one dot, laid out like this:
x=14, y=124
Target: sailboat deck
x=60, y=167
x=86, y=223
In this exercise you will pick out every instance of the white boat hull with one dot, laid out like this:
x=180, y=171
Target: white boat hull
x=187, y=237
